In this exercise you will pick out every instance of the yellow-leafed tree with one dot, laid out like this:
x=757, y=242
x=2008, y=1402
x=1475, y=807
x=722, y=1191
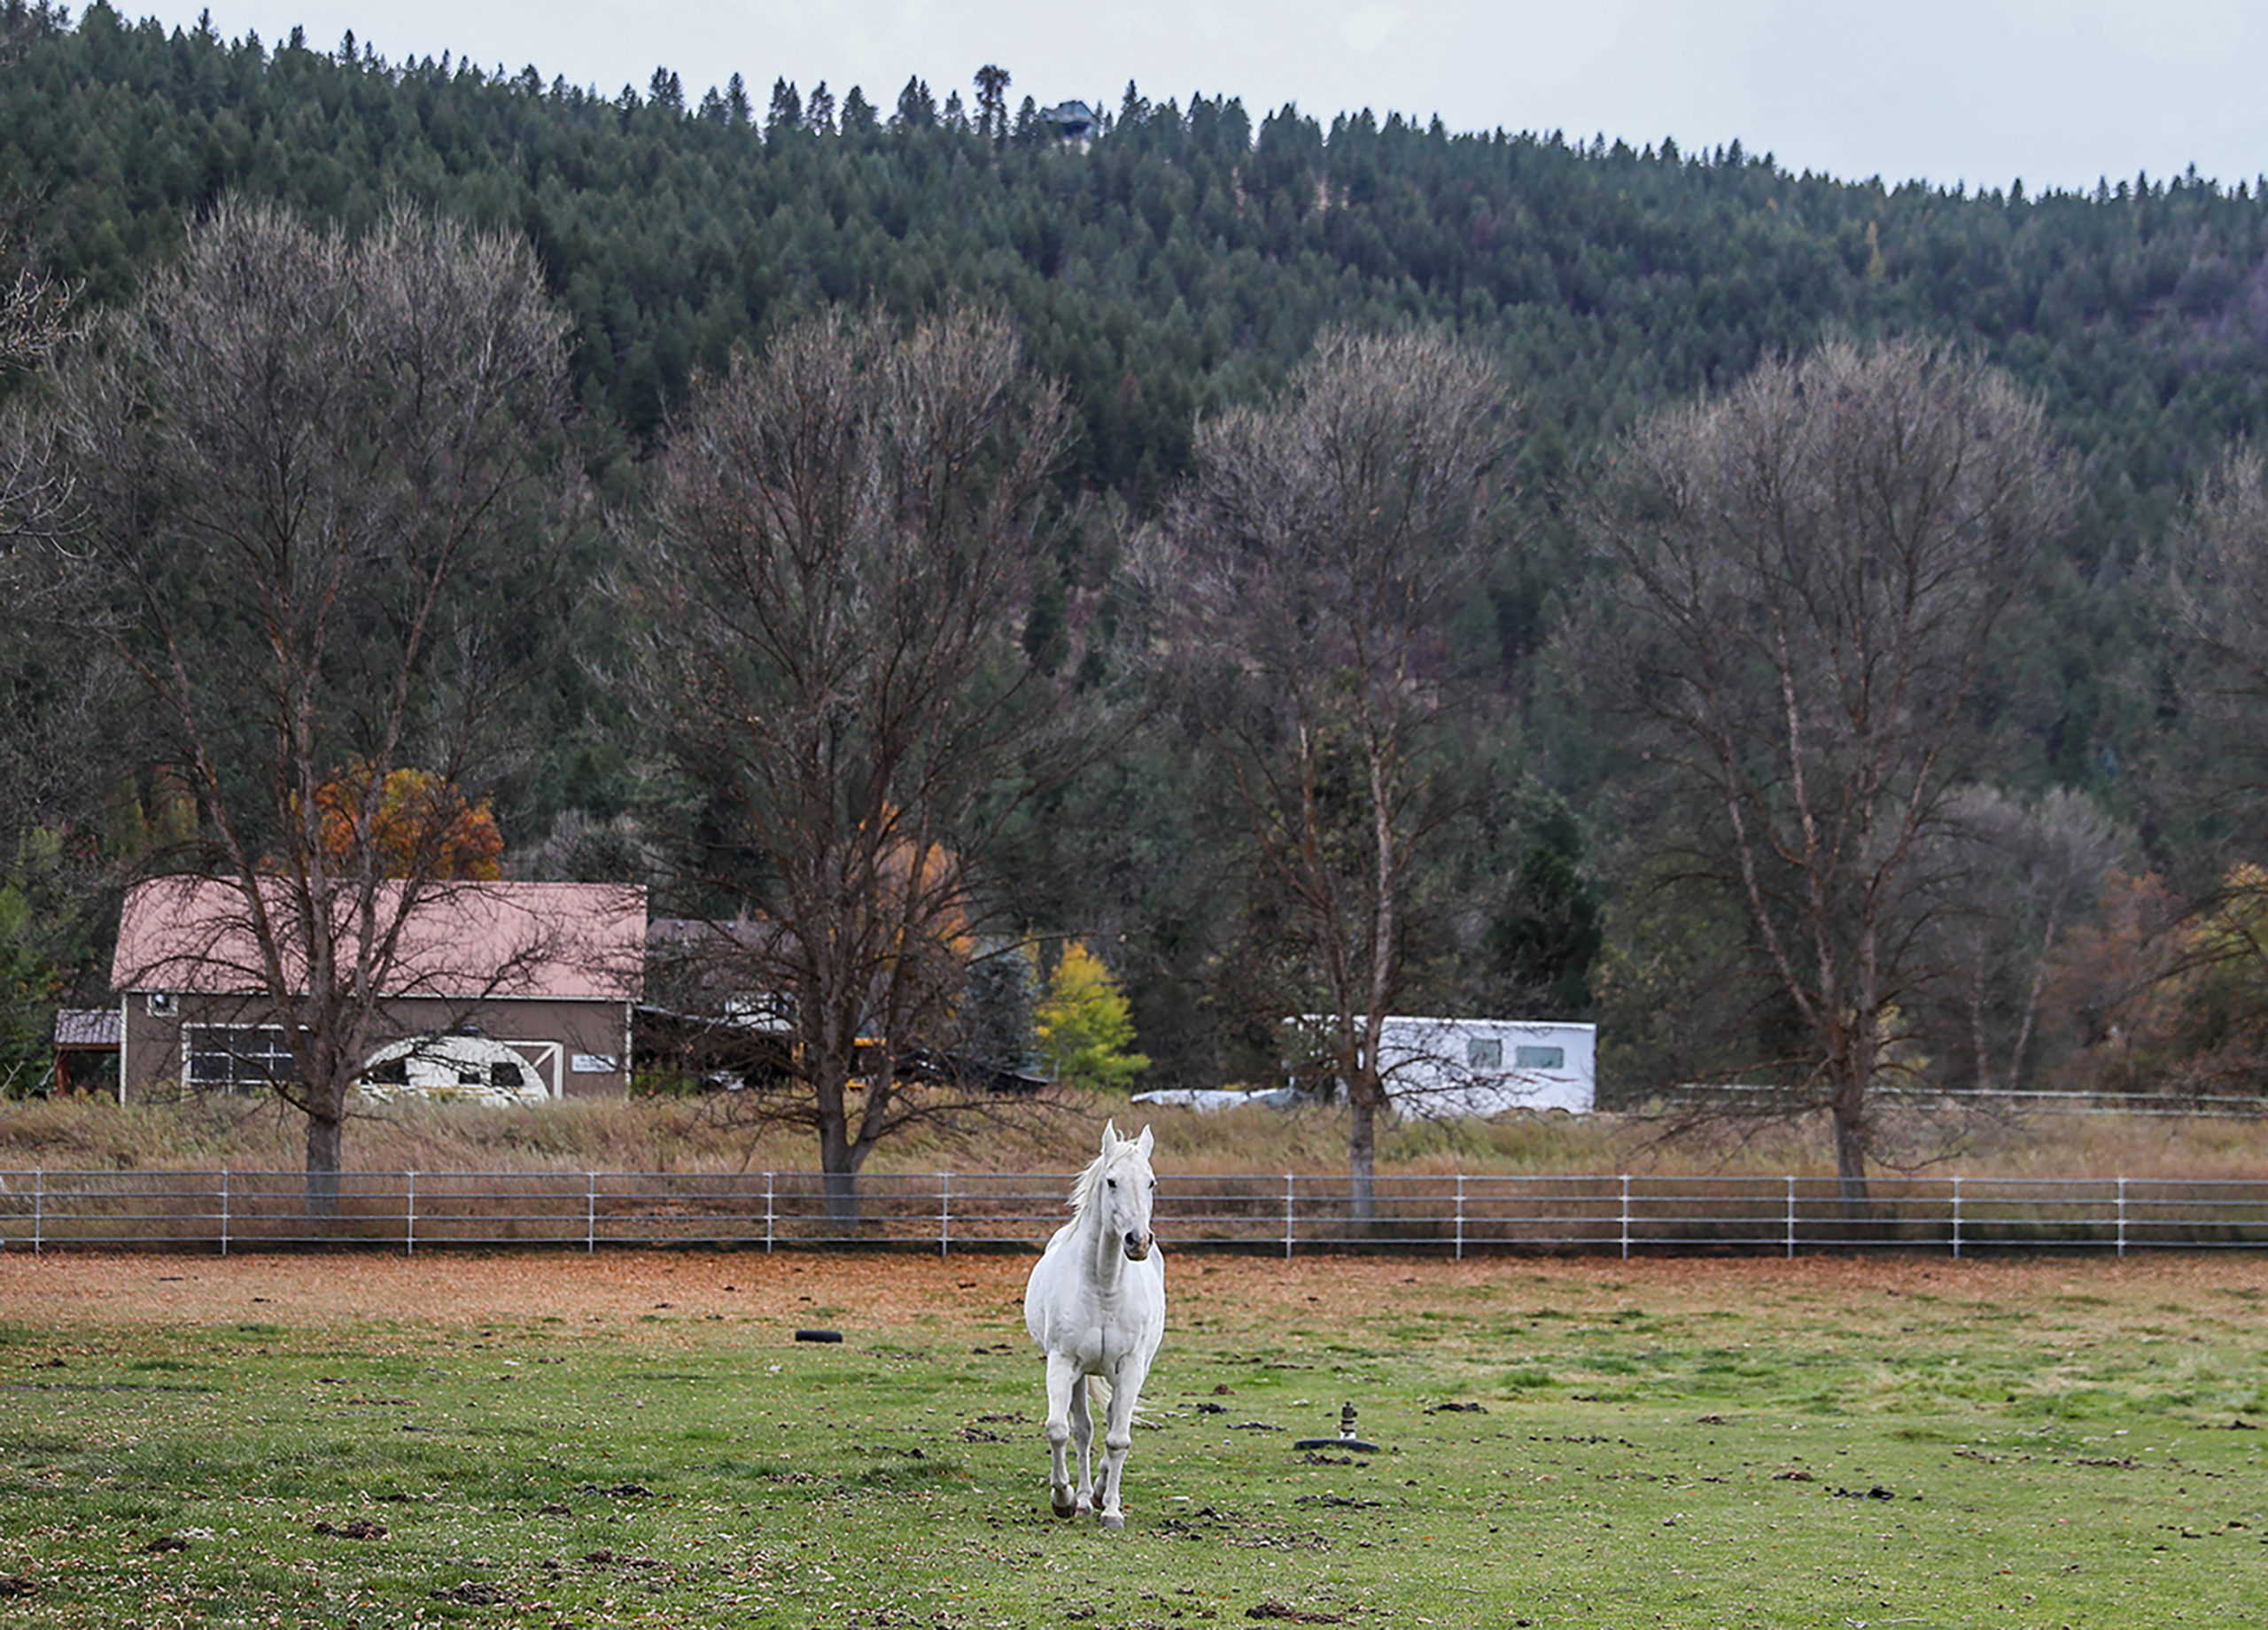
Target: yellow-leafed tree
x=1084, y=1024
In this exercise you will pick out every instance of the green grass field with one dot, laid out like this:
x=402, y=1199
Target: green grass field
x=569, y=1441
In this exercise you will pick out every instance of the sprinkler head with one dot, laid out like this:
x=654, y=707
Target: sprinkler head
x=1345, y=1439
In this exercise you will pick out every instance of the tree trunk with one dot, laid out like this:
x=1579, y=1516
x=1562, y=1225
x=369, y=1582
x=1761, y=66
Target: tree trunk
x=326, y=1128
x=2023, y=1042
x=1979, y=1043
x=1362, y=1152
x=1851, y=1152
x=838, y=1164
x=840, y=1184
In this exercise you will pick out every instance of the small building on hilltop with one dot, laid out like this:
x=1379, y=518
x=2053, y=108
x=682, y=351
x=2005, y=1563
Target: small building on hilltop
x=1070, y=122
x=507, y=992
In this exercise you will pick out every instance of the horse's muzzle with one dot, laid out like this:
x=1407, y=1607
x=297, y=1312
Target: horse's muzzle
x=1137, y=1246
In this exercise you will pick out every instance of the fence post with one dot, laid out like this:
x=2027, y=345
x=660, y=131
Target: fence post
x=39, y=1211
x=224, y=1211
x=1626, y=1214
x=409, y=1219
x=2122, y=1216
x=591, y=1215
x=1956, y=1219
x=1289, y=1179
x=1460, y=1216
x=1792, y=1215
x=944, y=1213
x=767, y=1213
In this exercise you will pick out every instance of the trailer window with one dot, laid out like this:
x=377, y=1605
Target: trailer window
x=1540, y=1058
x=1484, y=1054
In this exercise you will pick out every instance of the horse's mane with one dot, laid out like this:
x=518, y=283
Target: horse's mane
x=1082, y=1186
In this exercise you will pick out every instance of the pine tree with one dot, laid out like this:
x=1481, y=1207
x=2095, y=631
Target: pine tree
x=992, y=102
x=917, y=109
x=787, y=111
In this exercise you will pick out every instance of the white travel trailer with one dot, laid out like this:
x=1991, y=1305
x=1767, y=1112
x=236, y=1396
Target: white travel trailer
x=1449, y=1069
x=474, y=1068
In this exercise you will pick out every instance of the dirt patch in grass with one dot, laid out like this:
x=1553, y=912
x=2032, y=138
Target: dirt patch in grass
x=637, y=1289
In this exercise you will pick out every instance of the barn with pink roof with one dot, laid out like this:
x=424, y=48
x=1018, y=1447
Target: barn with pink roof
x=507, y=992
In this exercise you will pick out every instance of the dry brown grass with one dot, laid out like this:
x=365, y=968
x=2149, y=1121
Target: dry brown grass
x=689, y=1135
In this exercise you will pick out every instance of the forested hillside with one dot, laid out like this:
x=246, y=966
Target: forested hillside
x=1183, y=261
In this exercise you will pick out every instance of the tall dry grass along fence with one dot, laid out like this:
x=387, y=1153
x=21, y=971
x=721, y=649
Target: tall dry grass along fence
x=1448, y=1215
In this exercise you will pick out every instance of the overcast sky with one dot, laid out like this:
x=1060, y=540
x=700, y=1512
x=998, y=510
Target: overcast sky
x=2058, y=92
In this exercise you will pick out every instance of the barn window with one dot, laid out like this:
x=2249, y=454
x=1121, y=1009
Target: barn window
x=224, y=1055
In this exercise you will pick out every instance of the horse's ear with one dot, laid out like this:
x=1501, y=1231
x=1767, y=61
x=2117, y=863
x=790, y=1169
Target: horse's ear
x=1109, y=1136
x=1146, y=1142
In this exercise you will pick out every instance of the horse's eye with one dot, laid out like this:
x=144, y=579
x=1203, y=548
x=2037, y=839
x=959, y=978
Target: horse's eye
x=1110, y=1182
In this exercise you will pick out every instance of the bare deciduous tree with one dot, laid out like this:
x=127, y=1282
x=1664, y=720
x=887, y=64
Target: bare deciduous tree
x=35, y=312
x=1323, y=545
x=49, y=694
x=832, y=587
x=293, y=455
x=2015, y=873
x=1808, y=576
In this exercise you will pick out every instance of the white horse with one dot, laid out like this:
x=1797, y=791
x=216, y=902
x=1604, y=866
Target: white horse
x=1097, y=1306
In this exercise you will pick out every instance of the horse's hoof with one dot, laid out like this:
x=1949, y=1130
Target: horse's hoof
x=1064, y=1507
x=1112, y=1522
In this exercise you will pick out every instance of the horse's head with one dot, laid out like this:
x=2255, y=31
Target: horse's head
x=1125, y=1188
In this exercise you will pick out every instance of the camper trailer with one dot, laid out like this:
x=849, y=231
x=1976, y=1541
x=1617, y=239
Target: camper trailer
x=1449, y=1069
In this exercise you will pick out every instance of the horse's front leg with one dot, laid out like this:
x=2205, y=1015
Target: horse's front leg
x=1083, y=1437
x=1066, y=1393
x=1117, y=1437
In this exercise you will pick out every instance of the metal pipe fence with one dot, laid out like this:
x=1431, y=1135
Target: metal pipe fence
x=1455, y=1216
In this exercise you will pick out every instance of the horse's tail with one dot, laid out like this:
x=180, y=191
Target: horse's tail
x=1099, y=1396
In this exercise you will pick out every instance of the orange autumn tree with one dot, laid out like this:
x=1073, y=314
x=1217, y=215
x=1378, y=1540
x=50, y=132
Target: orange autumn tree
x=421, y=825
